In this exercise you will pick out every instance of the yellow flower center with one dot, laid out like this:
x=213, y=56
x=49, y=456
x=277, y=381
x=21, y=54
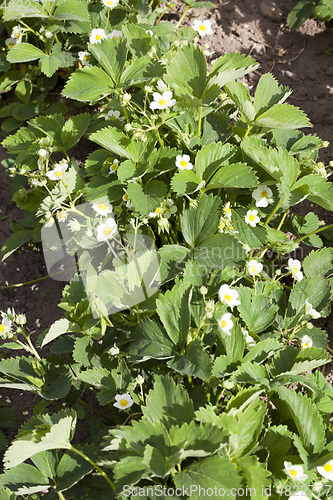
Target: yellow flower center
x=11, y=45
x=162, y=102
x=126, y=197
x=231, y=227
x=114, y=166
x=253, y=269
x=227, y=298
x=183, y=163
x=2, y=328
x=59, y=174
x=228, y=210
x=158, y=210
x=251, y=217
x=98, y=37
x=293, y=472
x=223, y=323
x=264, y=194
x=123, y=402
x=306, y=344
x=107, y=231
x=102, y=206
x=110, y=3
x=295, y=269
x=86, y=58
x=202, y=27
x=328, y=467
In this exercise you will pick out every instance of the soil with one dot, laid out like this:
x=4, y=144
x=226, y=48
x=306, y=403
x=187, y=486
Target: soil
x=301, y=60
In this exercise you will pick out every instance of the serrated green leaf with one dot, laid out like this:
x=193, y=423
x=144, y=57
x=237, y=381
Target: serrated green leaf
x=237, y=175
x=283, y=116
x=24, y=52
x=319, y=263
x=185, y=181
x=111, y=55
x=151, y=341
x=146, y=199
x=199, y=223
x=173, y=310
x=300, y=13
x=219, y=250
x=24, y=479
x=117, y=142
x=195, y=361
x=14, y=242
x=229, y=67
x=240, y=95
x=210, y=157
x=74, y=129
x=256, y=476
x=268, y=93
x=60, y=327
x=141, y=70
x=88, y=84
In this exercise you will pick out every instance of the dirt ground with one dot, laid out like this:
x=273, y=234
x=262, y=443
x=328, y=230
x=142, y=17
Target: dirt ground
x=302, y=60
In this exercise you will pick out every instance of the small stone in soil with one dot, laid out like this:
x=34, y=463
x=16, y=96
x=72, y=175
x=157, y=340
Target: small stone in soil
x=271, y=11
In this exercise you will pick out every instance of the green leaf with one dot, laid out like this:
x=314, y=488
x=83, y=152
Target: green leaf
x=14, y=242
x=50, y=63
x=256, y=476
x=300, y=13
x=257, y=311
x=210, y=157
x=85, y=352
x=57, y=436
x=174, y=312
x=146, y=199
x=186, y=71
x=24, y=52
x=185, y=181
x=229, y=67
x=319, y=263
x=263, y=350
x=168, y=403
x=315, y=290
x=220, y=250
x=268, y=93
x=283, y=116
x=24, y=479
x=60, y=327
x=151, y=341
x=195, y=361
x=234, y=344
x=222, y=367
x=172, y=261
x=72, y=467
x=251, y=372
x=308, y=421
x=15, y=11
x=88, y=84
x=240, y=94
x=111, y=55
x=255, y=237
x=138, y=40
x=199, y=223
x=237, y=175
x=74, y=129
x=46, y=461
x=117, y=142
x=212, y=472
x=71, y=10
x=277, y=440
x=321, y=191
x=9, y=79
x=140, y=71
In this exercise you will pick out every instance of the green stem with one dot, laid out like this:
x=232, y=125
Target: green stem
x=183, y=15
x=199, y=122
x=33, y=350
x=283, y=219
x=61, y=495
x=247, y=131
x=273, y=212
x=107, y=21
x=35, y=281
x=106, y=477
x=164, y=12
x=160, y=140
x=313, y=232
x=126, y=114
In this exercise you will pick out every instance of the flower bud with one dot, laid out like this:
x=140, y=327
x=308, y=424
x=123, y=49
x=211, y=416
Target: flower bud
x=203, y=290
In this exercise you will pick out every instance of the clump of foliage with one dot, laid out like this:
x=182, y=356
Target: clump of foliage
x=213, y=380
x=322, y=10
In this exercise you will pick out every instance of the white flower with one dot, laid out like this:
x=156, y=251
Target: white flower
x=114, y=350
x=114, y=115
x=254, y=267
x=40, y=163
x=110, y=3
x=97, y=35
x=202, y=27
x=150, y=32
x=44, y=142
x=84, y=58
x=58, y=172
x=102, y=208
x=74, y=225
x=262, y=195
x=327, y=470
x=207, y=53
x=252, y=218
x=295, y=471
x=115, y=34
x=162, y=101
x=62, y=216
x=226, y=323
x=17, y=33
x=311, y=311
x=228, y=297
x=5, y=325
x=306, y=341
x=106, y=230
x=183, y=162
x=43, y=154
x=248, y=339
x=127, y=199
x=123, y=401
x=114, y=166
x=10, y=42
x=294, y=267
x=227, y=210
x=317, y=486
x=162, y=87
x=169, y=209
x=125, y=99
x=158, y=212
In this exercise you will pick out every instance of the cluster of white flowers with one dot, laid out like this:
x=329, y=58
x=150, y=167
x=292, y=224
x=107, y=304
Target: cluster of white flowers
x=99, y=34
x=43, y=154
x=58, y=172
x=296, y=472
x=16, y=36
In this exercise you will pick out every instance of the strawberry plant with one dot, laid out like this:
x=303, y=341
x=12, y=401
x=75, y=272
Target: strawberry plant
x=189, y=307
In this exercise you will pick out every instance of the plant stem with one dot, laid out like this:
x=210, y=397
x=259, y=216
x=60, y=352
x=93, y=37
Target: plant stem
x=61, y=495
x=313, y=232
x=33, y=350
x=199, y=122
x=91, y=408
x=283, y=219
x=183, y=15
x=247, y=131
x=35, y=281
x=107, y=21
x=273, y=212
x=106, y=477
